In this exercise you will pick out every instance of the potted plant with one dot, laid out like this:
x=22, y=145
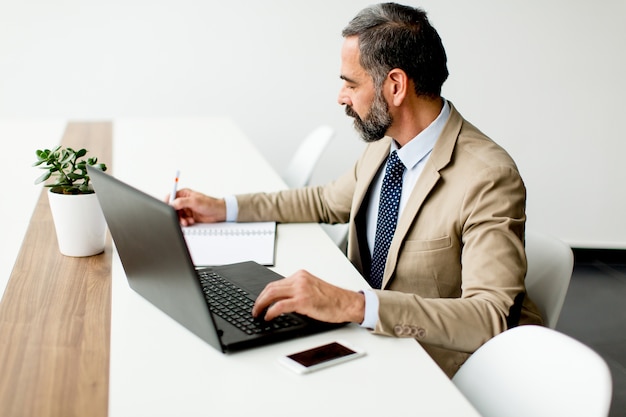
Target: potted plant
x=78, y=219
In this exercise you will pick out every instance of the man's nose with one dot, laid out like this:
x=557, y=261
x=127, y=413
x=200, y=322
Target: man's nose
x=343, y=98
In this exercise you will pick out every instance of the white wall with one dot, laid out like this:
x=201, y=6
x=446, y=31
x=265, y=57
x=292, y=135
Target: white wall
x=544, y=78
x=18, y=203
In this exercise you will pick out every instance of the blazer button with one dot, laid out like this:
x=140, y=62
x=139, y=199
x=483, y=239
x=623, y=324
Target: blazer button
x=420, y=333
x=398, y=330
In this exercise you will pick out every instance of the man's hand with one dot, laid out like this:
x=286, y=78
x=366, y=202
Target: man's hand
x=194, y=207
x=306, y=294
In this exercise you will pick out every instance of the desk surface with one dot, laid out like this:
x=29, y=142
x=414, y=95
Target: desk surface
x=158, y=368
x=55, y=315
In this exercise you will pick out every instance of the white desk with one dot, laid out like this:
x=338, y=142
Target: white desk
x=158, y=368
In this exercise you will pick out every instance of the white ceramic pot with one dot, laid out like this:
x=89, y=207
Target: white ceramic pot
x=79, y=223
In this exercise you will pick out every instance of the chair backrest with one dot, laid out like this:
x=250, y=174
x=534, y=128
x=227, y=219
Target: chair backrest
x=536, y=371
x=338, y=233
x=300, y=168
x=550, y=265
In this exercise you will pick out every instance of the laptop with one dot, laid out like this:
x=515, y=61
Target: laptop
x=158, y=266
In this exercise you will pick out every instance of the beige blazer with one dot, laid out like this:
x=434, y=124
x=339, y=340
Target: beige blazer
x=455, y=271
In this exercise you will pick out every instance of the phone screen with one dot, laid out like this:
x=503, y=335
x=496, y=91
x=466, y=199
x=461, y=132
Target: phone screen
x=321, y=354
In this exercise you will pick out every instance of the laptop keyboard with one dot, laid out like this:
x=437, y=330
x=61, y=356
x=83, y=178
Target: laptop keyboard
x=234, y=305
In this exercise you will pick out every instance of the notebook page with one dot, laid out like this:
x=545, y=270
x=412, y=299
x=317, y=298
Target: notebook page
x=231, y=242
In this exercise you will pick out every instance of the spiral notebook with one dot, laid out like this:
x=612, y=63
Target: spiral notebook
x=226, y=243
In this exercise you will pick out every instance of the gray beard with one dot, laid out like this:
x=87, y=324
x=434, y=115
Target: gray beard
x=375, y=125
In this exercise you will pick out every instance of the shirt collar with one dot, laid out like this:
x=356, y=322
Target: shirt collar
x=422, y=145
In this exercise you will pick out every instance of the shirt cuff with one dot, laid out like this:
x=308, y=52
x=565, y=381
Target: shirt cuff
x=371, y=309
x=232, y=208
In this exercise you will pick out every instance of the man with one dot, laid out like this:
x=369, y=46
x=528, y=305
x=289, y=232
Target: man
x=439, y=237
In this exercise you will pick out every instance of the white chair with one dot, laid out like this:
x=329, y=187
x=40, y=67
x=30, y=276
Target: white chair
x=339, y=234
x=550, y=265
x=300, y=168
x=536, y=371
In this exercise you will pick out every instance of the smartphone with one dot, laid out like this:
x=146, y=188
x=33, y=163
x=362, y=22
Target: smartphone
x=320, y=357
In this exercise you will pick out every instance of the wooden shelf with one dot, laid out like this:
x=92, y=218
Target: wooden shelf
x=55, y=315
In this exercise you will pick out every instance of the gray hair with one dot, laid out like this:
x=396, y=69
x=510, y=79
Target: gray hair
x=395, y=36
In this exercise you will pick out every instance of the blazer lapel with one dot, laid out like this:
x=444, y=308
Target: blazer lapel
x=357, y=242
x=371, y=163
x=439, y=158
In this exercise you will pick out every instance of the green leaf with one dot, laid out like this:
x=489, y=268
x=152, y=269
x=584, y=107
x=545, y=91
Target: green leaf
x=42, y=178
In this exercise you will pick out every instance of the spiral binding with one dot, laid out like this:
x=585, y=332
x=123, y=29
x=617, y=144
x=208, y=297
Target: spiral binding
x=226, y=232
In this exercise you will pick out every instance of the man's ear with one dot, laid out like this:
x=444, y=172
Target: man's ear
x=398, y=85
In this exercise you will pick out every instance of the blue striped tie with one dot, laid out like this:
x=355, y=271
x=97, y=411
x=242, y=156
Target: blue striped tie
x=388, y=207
